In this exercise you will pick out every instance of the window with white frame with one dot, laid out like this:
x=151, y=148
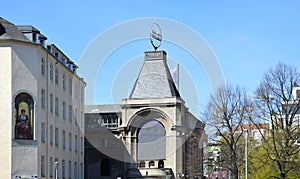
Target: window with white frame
x=110, y=120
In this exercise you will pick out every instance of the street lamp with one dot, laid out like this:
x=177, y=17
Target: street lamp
x=56, y=168
x=246, y=153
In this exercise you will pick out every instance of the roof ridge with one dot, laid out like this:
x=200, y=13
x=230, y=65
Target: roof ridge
x=8, y=30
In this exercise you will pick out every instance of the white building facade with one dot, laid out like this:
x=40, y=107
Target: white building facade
x=42, y=108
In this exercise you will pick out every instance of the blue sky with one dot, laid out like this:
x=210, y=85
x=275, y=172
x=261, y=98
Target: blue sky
x=247, y=37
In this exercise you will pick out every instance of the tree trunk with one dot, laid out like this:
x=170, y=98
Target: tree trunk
x=282, y=175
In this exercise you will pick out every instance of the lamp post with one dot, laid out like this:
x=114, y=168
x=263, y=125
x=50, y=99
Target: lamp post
x=56, y=168
x=246, y=154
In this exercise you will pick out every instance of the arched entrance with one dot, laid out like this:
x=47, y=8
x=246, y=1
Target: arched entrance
x=23, y=118
x=151, y=141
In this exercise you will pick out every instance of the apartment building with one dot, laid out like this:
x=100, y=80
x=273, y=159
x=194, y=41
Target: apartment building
x=42, y=107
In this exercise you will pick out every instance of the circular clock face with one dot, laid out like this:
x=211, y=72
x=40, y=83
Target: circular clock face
x=155, y=36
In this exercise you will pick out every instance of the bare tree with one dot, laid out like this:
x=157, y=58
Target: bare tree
x=280, y=108
x=227, y=111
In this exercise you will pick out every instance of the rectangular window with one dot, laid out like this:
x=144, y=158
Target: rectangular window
x=51, y=103
x=81, y=144
x=56, y=76
x=43, y=98
x=70, y=141
x=49, y=48
x=70, y=170
x=64, y=139
x=34, y=37
x=75, y=117
x=56, y=106
x=51, y=72
x=56, y=55
x=64, y=110
x=56, y=136
x=81, y=171
x=42, y=66
x=51, y=135
x=63, y=174
x=43, y=131
x=64, y=81
x=51, y=167
x=75, y=170
x=76, y=143
x=42, y=166
x=70, y=113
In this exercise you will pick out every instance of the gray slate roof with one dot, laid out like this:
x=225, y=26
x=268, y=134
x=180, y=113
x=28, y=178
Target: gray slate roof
x=9, y=31
x=107, y=108
x=155, y=80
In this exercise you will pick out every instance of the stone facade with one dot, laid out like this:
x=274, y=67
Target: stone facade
x=155, y=135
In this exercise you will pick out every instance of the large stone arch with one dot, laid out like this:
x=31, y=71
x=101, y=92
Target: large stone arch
x=155, y=148
x=146, y=114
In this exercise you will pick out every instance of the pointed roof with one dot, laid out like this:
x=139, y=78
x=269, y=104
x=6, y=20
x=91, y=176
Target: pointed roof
x=154, y=80
x=9, y=31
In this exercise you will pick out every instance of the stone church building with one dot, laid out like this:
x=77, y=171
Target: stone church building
x=151, y=134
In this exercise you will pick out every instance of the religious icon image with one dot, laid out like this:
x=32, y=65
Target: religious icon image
x=23, y=126
x=24, y=117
